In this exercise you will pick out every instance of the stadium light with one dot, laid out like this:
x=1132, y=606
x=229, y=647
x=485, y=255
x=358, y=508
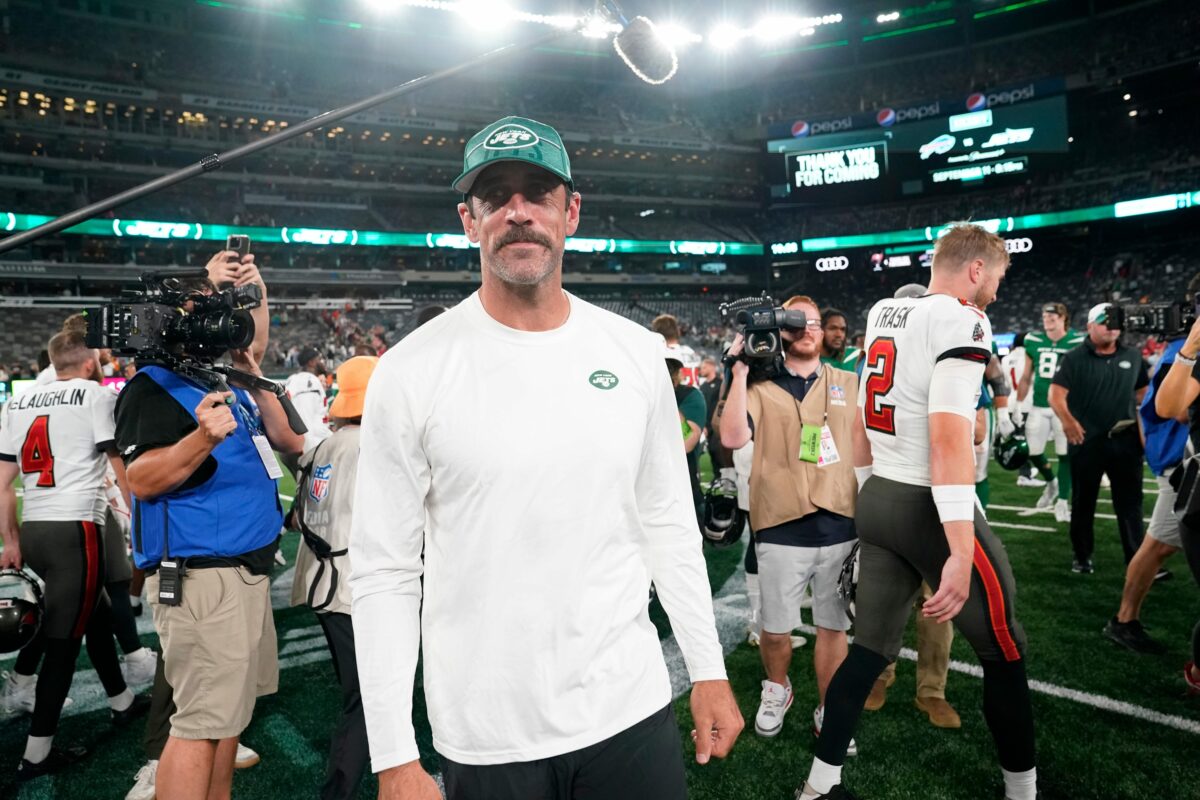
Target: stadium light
x=382, y=6
x=724, y=36
x=1133, y=113
x=485, y=15
x=675, y=34
x=891, y=16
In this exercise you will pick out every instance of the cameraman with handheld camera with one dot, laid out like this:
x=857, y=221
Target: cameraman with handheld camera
x=799, y=414
x=206, y=512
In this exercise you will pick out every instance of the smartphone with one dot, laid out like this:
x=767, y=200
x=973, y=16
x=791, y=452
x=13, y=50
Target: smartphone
x=239, y=244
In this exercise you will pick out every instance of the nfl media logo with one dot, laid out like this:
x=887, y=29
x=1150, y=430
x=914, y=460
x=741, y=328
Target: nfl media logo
x=318, y=488
x=886, y=117
x=837, y=393
x=800, y=129
x=977, y=102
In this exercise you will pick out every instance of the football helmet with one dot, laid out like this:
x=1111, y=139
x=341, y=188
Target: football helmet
x=1011, y=452
x=848, y=581
x=21, y=609
x=723, y=520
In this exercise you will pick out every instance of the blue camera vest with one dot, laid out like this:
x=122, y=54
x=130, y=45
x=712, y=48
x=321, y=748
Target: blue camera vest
x=235, y=511
x=1165, y=438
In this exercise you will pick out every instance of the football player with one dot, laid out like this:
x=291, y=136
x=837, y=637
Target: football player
x=1042, y=351
x=917, y=515
x=59, y=438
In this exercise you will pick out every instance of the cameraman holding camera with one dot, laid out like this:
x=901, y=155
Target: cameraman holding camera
x=206, y=522
x=1095, y=393
x=802, y=493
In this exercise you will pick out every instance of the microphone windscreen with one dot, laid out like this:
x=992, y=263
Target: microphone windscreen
x=645, y=52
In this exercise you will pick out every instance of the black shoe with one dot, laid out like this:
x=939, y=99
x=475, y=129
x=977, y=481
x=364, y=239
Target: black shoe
x=59, y=759
x=836, y=793
x=141, y=705
x=1163, y=574
x=137, y=610
x=1083, y=567
x=1133, y=636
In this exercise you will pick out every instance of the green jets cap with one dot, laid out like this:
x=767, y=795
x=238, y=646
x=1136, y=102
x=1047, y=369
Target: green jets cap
x=514, y=139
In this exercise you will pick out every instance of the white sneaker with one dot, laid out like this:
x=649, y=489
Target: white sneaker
x=819, y=719
x=245, y=757
x=1030, y=482
x=752, y=637
x=143, y=785
x=1049, y=495
x=798, y=641
x=138, y=666
x=776, y=700
x=19, y=695
x=1062, y=511
x=1105, y=483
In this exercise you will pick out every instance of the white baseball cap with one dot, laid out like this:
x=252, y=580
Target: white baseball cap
x=1099, y=313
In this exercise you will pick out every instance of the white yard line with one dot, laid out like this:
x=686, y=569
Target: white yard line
x=1026, y=512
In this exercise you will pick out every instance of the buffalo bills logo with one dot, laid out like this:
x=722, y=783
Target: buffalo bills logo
x=318, y=487
x=800, y=129
x=977, y=102
x=886, y=117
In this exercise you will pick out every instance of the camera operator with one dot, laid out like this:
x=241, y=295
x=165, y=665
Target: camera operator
x=801, y=509
x=206, y=524
x=1095, y=393
x=1178, y=397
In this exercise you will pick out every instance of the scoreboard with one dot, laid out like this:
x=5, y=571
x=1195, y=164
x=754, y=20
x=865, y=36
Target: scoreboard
x=976, y=148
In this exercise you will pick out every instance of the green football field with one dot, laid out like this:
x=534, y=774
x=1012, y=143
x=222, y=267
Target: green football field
x=1111, y=724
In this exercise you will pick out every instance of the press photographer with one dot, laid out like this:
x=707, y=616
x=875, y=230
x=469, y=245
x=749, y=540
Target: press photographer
x=799, y=413
x=206, y=509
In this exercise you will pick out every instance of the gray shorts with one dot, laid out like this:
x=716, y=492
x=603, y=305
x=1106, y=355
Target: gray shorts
x=1164, y=525
x=784, y=573
x=902, y=543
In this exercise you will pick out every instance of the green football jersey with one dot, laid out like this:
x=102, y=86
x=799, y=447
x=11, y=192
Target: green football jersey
x=848, y=361
x=1045, y=354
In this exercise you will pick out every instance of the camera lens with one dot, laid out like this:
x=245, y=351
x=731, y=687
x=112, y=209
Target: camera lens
x=213, y=331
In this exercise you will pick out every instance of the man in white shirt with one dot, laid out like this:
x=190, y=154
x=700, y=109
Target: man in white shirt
x=544, y=506
x=308, y=396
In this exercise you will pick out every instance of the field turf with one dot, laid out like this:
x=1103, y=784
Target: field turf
x=1114, y=724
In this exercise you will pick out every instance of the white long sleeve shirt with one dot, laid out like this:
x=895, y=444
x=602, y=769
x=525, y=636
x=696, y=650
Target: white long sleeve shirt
x=544, y=475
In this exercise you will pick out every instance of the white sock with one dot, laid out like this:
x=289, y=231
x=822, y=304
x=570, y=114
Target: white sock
x=1020, y=785
x=135, y=601
x=754, y=593
x=822, y=777
x=122, y=701
x=37, y=748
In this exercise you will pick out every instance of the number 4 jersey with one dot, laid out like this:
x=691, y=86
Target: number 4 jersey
x=57, y=434
x=905, y=340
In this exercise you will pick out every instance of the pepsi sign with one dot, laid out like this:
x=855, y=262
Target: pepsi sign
x=801, y=128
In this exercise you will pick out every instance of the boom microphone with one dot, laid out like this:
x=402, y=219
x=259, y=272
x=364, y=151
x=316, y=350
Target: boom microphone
x=642, y=47
x=639, y=45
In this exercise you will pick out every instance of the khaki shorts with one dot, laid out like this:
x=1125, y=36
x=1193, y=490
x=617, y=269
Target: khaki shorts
x=219, y=650
x=785, y=572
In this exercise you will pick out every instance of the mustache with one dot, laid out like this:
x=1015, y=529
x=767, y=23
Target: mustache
x=523, y=235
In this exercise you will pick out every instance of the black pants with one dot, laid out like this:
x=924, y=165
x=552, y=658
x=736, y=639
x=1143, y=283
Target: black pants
x=643, y=762
x=348, y=748
x=1121, y=459
x=162, y=707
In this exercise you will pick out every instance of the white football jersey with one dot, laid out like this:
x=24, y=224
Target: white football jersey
x=905, y=339
x=55, y=433
x=308, y=396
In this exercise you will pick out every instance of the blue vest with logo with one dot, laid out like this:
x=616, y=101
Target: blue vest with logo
x=1165, y=438
x=235, y=511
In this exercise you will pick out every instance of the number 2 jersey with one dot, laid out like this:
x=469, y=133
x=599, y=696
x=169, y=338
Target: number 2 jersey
x=905, y=340
x=57, y=434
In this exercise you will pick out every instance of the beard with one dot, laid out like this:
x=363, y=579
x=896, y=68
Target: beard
x=524, y=271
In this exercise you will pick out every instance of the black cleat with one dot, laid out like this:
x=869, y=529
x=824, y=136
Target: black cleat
x=141, y=705
x=1083, y=567
x=1133, y=636
x=59, y=759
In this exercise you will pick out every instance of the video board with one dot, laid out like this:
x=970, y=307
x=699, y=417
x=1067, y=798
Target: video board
x=975, y=148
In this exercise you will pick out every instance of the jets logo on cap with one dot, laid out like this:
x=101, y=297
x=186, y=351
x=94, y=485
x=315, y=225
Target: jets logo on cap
x=511, y=137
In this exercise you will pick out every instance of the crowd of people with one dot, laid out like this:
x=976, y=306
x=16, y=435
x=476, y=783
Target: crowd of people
x=514, y=550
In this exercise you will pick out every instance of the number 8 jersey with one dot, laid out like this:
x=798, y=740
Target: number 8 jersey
x=57, y=434
x=905, y=339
